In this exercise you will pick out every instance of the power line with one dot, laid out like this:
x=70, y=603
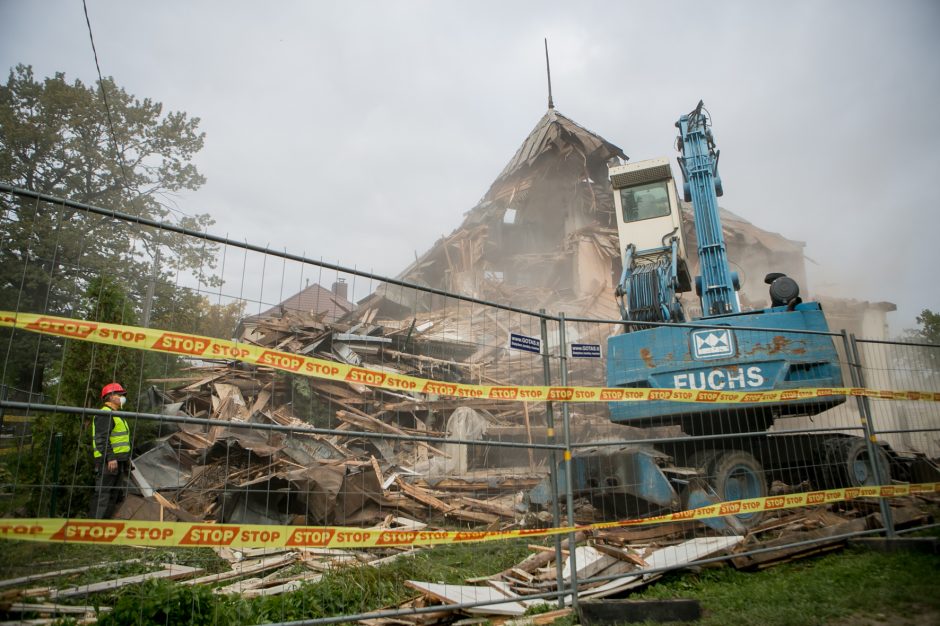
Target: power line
x=107, y=110
x=104, y=97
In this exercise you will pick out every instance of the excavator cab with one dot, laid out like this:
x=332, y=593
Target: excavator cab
x=648, y=211
x=649, y=218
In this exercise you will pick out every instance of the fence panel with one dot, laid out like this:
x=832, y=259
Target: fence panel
x=278, y=399
x=909, y=426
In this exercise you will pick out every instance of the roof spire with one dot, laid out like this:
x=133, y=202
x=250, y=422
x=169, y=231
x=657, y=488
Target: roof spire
x=548, y=69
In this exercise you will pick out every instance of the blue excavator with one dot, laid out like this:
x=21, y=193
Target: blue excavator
x=726, y=453
x=717, y=358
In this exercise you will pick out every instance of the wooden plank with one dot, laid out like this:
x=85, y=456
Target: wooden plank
x=624, y=554
x=489, y=507
x=670, y=556
x=285, y=587
x=538, y=548
x=460, y=594
x=542, y=558
x=787, y=551
x=261, y=400
x=634, y=535
x=528, y=434
x=423, y=496
x=589, y=561
x=204, y=381
x=181, y=515
x=539, y=620
x=25, y=580
x=473, y=516
x=171, y=572
x=377, y=469
x=371, y=424
x=56, y=609
x=245, y=568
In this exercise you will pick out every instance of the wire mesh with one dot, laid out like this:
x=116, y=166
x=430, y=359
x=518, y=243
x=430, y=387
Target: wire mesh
x=222, y=442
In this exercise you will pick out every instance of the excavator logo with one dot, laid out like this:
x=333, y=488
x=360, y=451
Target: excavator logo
x=712, y=343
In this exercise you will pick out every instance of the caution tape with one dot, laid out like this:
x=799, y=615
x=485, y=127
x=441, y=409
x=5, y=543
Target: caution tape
x=195, y=535
x=197, y=346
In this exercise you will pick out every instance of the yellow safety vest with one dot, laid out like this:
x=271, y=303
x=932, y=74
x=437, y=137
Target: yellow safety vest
x=120, y=436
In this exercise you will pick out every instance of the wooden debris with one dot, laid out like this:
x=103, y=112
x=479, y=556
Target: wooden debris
x=460, y=594
x=245, y=568
x=47, y=608
x=25, y=580
x=170, y=572
x=788, y=552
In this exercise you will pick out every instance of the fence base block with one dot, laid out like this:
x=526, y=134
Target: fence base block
x=927, y=545
x=602, y=612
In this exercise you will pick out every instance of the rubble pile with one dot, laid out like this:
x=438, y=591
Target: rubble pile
x=618, y=556
x=259, y=475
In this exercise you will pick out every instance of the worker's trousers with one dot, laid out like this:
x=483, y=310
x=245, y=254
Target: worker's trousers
x=110, y=489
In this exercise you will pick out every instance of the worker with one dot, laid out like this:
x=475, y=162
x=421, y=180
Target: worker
x=111, y=440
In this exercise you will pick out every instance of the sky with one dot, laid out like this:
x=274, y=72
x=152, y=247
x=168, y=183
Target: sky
x=360, y=132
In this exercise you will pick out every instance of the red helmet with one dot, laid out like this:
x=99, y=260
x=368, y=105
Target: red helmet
x=110, y=388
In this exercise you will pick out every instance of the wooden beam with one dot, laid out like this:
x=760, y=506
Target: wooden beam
x=25, y=580
x=171, y=572
x=245, y=568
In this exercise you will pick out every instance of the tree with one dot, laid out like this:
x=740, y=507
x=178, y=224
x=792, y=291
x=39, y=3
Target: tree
x=929, y=330
x=924, y=359
x=55, y=138
x=86, y=367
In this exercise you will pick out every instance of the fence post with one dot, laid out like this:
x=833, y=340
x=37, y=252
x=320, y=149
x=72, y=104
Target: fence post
x=569, y=494
x=864, y=409
x=553, y=460
x=56, y=465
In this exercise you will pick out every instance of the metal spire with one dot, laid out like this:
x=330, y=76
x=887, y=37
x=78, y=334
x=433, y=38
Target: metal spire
x=548, y=69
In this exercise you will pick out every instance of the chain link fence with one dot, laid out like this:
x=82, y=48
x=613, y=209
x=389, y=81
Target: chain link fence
x=224, y=443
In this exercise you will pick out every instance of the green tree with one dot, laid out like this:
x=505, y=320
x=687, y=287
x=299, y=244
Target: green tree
x=923, y=359
x=190, y=312
x=55, y=138
x=929, y=330
x=85, y=368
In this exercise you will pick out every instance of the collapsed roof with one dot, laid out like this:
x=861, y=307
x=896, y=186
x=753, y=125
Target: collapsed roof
x=545, y=232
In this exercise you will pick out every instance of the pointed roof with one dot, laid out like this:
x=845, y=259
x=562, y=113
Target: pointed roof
x=552, y=132
x=313, y=299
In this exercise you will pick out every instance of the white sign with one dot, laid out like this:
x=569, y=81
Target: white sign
x=712, y=343
x=720, y=379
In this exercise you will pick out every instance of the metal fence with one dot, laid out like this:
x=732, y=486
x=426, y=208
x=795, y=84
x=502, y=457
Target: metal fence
x=223, y=443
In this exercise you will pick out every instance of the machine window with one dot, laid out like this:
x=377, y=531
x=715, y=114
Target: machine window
x=644, y=202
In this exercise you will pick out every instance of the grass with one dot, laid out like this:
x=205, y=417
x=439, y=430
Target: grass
x=856, y=581
x=25, y=558
x=344, y=591
x=823, y=590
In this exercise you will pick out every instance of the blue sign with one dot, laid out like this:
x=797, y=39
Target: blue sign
x=524, y=343
x=586, y=350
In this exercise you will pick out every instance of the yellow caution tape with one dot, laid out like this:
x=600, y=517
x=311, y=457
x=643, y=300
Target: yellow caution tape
x=197, y=346
x=194, y=535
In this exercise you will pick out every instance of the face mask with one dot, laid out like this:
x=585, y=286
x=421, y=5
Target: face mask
x=122, y=400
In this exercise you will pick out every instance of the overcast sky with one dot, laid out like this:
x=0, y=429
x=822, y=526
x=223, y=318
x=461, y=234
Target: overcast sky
x=360, y=132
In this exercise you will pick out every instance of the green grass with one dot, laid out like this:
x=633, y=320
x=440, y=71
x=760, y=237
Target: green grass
x=343, y=591
x=810, y=592
x=815, y=591
x=25, y=558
